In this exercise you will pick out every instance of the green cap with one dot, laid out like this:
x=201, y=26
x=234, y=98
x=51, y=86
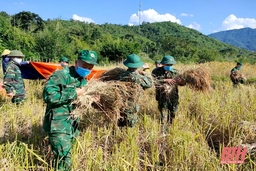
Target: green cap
x=133, y=61
x=157, y=62
x=88, y=56
x=64, y=59
x=239, y=63
x=16, y=53
x=168, y=60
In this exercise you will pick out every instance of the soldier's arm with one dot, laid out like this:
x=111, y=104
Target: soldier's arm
x=146, y=82
x=56, y=92
x=10, y=80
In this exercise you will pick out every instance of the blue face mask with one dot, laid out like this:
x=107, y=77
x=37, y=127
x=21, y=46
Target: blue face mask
x=168, y=68
x=83, y=72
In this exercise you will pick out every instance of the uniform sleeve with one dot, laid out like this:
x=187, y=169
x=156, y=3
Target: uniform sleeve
x=57, y=92
x=10, y=80
x=146, y=82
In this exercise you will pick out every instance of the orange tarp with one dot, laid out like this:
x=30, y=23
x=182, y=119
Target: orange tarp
x=46, y=69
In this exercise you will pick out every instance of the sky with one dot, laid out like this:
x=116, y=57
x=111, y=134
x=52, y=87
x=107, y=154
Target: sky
x=205, y=16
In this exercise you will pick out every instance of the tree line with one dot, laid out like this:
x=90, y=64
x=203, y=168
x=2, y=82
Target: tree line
x=47, y=40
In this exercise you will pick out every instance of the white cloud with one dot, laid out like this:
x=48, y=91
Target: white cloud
x=232, y=22
x=195, y=26
x=130, y=24
x=151, y=16
x=186, y=15
x=83, y=19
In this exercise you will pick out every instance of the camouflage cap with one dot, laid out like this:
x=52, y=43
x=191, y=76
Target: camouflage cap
x=16, y=53
x=6, y=52
x=64, y=59
x=88, y=56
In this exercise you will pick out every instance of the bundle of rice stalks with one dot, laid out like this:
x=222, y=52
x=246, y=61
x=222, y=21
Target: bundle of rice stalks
x=198, y=79
x=115, y=97
x=112, y=74
x=237, y=76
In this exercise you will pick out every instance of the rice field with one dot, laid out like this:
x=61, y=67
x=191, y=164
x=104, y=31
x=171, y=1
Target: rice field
x=206, y=122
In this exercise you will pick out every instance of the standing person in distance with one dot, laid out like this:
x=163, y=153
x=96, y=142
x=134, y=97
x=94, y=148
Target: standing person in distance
x=5, y=59
x=13, y=81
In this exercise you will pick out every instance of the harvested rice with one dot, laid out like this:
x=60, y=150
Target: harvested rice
x=198, y=79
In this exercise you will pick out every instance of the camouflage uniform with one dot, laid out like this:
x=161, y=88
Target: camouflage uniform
x=167, y=96
x=130, y=114
x=233, y=74
x=13, y=82
x=59, y=92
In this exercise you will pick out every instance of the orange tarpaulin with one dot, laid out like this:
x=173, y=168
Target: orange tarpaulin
x=46, y=69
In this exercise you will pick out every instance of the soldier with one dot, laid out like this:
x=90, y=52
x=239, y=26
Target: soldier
x=235, y=76
x=158, y=63
x=5, y=59
x=64, y=61
x=13, y=82
x=133, y=62
x=166, y=83
x=60, y=91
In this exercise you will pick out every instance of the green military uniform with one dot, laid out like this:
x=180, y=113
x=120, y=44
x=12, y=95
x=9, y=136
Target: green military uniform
x=166, y=95
x=13, y=81
x=130, y=75
x=234, y=75
x=62, y=128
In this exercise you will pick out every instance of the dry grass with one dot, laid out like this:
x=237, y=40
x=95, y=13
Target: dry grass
x=204, y=123
x=198, y=79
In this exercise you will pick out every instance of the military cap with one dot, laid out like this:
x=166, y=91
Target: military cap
x=64, y=59
x=16, y=53
x=133, y=61
x=88, y=56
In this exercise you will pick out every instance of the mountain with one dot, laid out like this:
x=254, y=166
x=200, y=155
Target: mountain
x=242, y=38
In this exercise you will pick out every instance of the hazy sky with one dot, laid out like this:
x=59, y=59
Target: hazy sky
x=206, y=16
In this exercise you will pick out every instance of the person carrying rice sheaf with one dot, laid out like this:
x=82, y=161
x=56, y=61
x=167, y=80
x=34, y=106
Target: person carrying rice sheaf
x=129, y=114
x=236, y=76
x=166, y=82
x=61, y=89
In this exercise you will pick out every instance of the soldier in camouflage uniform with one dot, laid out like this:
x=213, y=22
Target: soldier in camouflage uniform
x=236, y=77
x=13, y=82
x=61, y=89
x=166, y=83
x=64, y=62
x=133, y=62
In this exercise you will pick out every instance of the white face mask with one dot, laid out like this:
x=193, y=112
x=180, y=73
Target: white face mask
x=17, y=60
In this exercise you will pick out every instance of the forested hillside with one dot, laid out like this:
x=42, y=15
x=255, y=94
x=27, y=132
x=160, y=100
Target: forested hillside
x=50, y=39
x=242, y=38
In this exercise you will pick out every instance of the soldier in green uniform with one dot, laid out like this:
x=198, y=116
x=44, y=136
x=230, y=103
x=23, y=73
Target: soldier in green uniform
x=61, y=89
x=133, y=62
x=166, y=83
x=64, y=61
x=236, y=77
x=13, y=81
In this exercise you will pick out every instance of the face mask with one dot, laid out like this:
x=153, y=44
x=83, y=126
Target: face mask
x=17, y=60
x=83, y=72
x=62, y=65
x=239, y=67
x=6, y=59
x=167, y=68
